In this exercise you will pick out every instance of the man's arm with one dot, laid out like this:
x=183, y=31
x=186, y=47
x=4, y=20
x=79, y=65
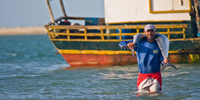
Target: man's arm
x=124, y=44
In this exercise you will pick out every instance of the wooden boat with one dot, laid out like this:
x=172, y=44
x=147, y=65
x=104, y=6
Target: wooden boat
x=97, y=42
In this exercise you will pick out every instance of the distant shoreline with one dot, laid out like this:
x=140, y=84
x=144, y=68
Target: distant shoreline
x=22, y=30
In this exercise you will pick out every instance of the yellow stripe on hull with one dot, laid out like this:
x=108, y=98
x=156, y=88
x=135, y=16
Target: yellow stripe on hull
x=99, y=52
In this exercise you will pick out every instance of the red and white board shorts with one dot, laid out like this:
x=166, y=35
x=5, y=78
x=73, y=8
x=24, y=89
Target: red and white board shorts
x=149, y=82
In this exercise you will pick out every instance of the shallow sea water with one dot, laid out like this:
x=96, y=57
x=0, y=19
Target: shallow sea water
x=30, y=70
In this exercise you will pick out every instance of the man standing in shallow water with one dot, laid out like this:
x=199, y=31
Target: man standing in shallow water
x=149, y=59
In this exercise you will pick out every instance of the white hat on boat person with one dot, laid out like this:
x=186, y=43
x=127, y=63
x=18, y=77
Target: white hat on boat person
x=149, y=26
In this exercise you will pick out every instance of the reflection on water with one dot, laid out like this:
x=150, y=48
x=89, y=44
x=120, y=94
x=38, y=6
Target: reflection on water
x=85, y=67
x=148, y=94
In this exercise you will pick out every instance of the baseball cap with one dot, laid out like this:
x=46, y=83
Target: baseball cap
x=149, y=26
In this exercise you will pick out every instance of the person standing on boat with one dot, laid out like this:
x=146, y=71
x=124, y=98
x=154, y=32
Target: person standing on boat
x=149, y=59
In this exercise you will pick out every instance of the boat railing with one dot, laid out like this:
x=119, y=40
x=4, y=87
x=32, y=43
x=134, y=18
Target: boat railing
x=111, y=32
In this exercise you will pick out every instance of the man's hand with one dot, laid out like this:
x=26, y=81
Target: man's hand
x=131, y=45
x=166, y=60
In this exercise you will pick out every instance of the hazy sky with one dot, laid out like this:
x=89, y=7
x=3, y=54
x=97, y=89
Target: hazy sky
x=23, y=13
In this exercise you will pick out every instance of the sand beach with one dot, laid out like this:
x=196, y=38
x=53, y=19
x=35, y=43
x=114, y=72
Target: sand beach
x=22, y=30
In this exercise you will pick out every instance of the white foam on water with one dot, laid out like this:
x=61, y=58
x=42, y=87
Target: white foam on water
x=119, y=76
x=120, y=72
x=127, y=68
x=52, y=68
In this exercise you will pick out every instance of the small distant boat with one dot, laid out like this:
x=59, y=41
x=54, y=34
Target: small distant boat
x=96, y=42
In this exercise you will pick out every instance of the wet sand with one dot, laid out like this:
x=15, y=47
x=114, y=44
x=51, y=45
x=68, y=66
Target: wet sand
x=22, y=30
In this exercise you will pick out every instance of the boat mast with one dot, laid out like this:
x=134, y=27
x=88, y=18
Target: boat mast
x=63, y=9
x=50, y=11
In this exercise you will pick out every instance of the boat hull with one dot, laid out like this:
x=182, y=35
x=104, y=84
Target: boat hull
x=95, y=60
x=180, y=52
x=87, y=48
